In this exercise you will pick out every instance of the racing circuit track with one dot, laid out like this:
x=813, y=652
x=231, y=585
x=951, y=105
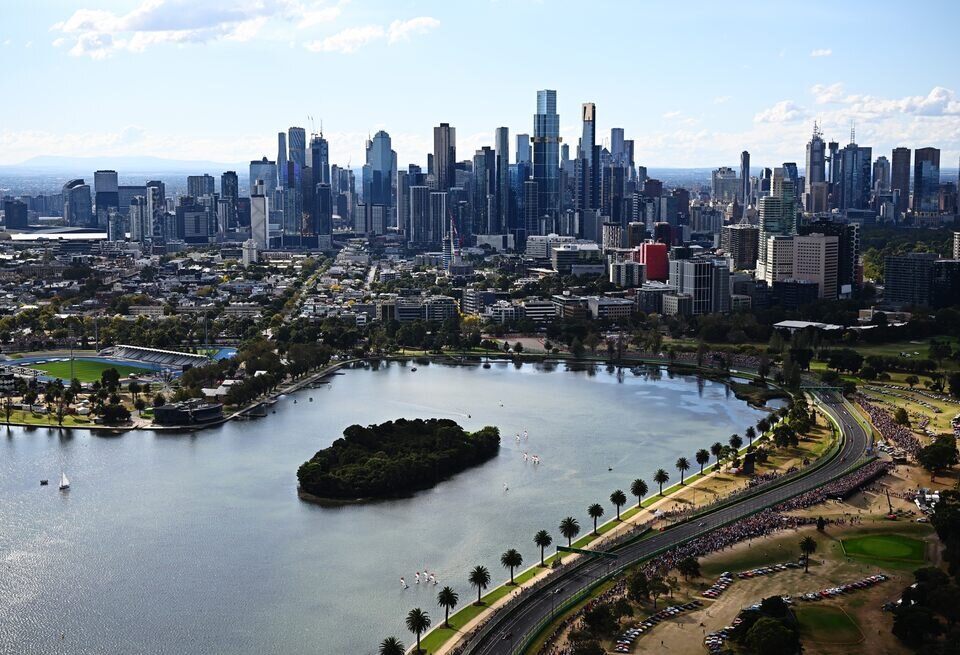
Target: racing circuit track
x=511, y=626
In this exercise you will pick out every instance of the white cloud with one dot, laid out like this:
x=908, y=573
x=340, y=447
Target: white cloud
x=348, y=40
x=352, y=39
x=785, y=111
x=821, y=52
x=28, y=44
x=719, y=100
x=99, y=33
x=402, y=30
x=828, y=93
x=671, y=114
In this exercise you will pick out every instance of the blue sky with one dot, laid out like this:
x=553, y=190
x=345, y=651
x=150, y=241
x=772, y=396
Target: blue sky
x=693, y=83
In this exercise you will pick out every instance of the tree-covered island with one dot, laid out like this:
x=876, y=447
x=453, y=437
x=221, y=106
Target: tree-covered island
x=395, y=458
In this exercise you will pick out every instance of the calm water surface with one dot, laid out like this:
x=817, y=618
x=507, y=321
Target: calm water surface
x=199, y=544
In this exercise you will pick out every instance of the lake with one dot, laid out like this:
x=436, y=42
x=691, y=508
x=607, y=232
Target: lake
x=197, y=543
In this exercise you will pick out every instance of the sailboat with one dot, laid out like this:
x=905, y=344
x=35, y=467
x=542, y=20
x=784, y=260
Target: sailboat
x=64, y=482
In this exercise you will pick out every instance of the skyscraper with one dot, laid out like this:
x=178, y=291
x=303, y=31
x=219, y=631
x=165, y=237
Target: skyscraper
x=484, y=186
x=546, y=157
x=77, y=205
x=259, y=214
x=106, y=188
x=745, y=178
x=444, y=155
x=378, y=171
x=926, y=180
x=588, y=162
x=281, y=159
x=853, y=187
x=815, y=172
x=323, y=210
x=320, y=159
x=199, y=186
x=501, y=142
x=265, y=170
x=900, y=179
x=523, y=149
x=881, y=175
x=230, y=191
x=298, y=146
x=14, y=214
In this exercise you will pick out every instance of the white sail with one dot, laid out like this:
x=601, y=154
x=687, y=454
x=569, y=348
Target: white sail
x=64, y=482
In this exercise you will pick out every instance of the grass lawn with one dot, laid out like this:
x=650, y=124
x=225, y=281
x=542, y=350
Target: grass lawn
x=86, y=370
x=827, y=624
x=886, y=547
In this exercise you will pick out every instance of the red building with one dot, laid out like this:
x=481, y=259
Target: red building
x=654, y=257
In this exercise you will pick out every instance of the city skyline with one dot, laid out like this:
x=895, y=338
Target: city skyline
x=681, y=109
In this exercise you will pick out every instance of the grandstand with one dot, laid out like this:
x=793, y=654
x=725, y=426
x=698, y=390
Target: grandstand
x=161, y=358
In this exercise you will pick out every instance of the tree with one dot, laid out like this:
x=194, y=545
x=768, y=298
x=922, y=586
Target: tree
x=683, y=466
x=914, y=624
x=595, y=511
x=392, y=646
x=716, y=450
x=480, y=578
x=913, y=380
x=543, y=541
x=159, y=400
x=600, y=620
x=588, y=647
x=821, y=524
x=657, y=588
x=763, y=425
x=569, y=528
x=900, y=416
x=639, y=489
x=702, y=457
x=638, y=587
x=784, y=435
x=768, y=636
x=511, y=559
x=576, y=348
x=689, y=567
x=418, y=622
x=808, y=546
x=751, y=434
x=447, y=599
x=735, y=442
x=939, y=455
x=619, y=499
x=518, y=347
x=660, y=477
x=939, y=350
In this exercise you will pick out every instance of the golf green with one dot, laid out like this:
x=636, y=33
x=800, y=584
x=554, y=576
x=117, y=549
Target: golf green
x=885, y=547
x=826, y=624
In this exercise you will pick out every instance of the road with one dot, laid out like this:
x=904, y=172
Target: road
x=510, y=628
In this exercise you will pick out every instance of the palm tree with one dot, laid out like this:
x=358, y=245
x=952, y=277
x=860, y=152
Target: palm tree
x=543, y=540
x=808, y=546
x=619, y=499
x=639, y=489
x=447, y=599
x=735, y=442
x=595, y=511
x=660, y=477
x=716, y=450
x=702, y=457
x=763, y=425
x=417, y=622
x=569, y=528
x=511, y=560
x=479, y=578
x=751, y=434
x=392, y=646
x=682, y=466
